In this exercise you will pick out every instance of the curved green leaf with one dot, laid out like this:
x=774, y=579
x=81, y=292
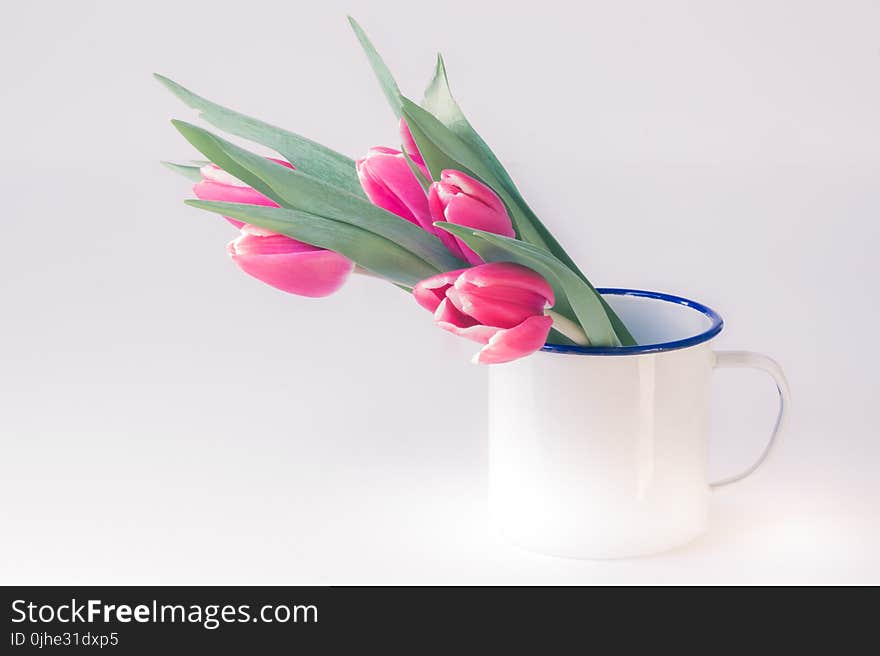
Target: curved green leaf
x=439, y=101
x=305, y=154
x=434, y=156
x=416, y=171
x=296, y=190
x=371, y=251
x=462, y=148
x=386, y=79
x=441, y=148
x=188, y=171
x=623, y=333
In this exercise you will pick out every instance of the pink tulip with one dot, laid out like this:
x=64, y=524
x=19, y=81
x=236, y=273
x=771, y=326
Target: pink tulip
x=219, y=185
x=389, y=183
x=499, y=304
x=410, y=147
x=460, y=199
x=288, y=264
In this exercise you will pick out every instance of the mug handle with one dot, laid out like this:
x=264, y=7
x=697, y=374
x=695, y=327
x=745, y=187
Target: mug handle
x=726, y=359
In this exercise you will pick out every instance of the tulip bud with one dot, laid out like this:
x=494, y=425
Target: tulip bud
x=500, y=305
x=460, y=199
x=389, y=183
x=288, y=264
x=218, y=185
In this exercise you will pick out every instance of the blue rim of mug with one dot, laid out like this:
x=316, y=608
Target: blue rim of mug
x=715, y=327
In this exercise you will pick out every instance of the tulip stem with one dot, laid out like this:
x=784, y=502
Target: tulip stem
x=568, y=328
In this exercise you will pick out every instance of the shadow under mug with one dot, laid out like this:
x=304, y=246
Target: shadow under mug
x=603, y=453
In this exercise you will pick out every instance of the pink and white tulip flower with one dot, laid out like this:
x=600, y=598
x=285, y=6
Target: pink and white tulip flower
x=288, y=264
x=460, y=199
x=284, y=263
x=218, y=185
x=389, y=183
x=500, y=305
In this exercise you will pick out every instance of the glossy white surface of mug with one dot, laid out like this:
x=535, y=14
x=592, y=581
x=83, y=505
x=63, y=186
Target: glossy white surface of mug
x=599, y=455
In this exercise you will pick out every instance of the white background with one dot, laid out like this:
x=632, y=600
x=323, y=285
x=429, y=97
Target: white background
x=166, y=419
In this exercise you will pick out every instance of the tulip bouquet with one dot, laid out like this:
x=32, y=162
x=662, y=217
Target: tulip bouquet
x=440, y=218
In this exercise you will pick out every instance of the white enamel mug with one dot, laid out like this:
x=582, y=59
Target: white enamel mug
x=602, y=453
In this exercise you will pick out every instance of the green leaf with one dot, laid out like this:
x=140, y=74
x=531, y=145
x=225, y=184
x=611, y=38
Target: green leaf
x=438, y=101
x=212, y=147
x=435, y=158
x=305, y=154
x=189, y=172
x=469, y=152
x=386, y=79
x=296, y=190
x=416, y=171
x=441, y=148
x=623, y=333
x=371, y=251
x=572, y=293
x=557, y=337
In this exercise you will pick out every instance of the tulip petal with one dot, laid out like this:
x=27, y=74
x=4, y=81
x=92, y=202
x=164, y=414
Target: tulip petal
x=508, y=274
x=389, y=183
x=430, y=292
x=500, y=305
x=207, y=190
x=282, y=162
x=474, y=188
x=503, y=307
x=218, y=185
x=436, y=205
x=515, y=343
x=214, y=173
x=471, y=213
x=447, y=313
x=290, y=265
x=259, y=241
x=458, y=198
x=501, y=293
x=380, y=195
x=450, y=319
